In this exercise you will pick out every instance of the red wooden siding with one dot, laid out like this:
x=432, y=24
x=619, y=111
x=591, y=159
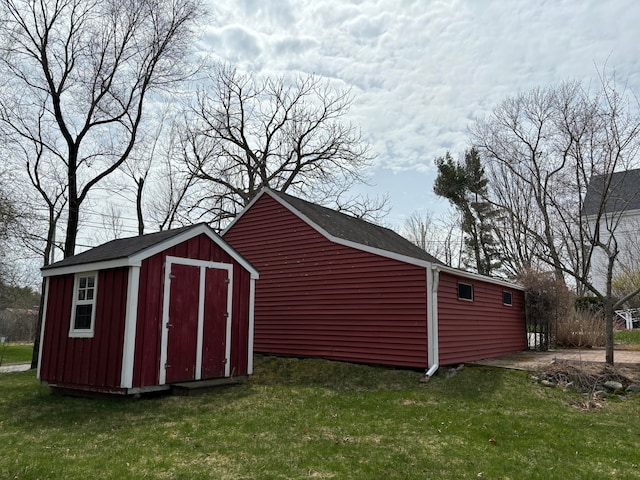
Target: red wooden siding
x=97, y=361
x=478, y=329
x=319, y=298
x=149, y=316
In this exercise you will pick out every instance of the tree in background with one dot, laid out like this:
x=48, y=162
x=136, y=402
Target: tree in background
x=248, y=133
x=465, y=186
x=77, y=76
x=542, y=150
x=437, y=236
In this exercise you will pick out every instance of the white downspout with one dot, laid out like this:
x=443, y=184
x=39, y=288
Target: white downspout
x=432, y=319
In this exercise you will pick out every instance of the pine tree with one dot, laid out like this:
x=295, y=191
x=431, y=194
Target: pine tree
x=465, y=186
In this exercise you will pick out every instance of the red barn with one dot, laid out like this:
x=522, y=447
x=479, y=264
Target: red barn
x=139, y=314
x=338, y=287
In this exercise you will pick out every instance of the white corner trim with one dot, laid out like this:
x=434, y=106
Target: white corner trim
x=44, y=321
x=200, y=332
x=252, y=303
x=432, y=316
x=130, y=325
x=162, y=372
x=227, y=353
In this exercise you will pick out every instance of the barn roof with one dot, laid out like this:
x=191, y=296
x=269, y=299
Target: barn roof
x=132, y=250
x=622, y=190
x=356, y=230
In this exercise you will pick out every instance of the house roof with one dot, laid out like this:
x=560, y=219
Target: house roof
x=621, y=192
x=132, y=250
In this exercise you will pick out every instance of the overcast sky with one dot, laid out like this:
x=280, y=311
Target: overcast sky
x=422, y=71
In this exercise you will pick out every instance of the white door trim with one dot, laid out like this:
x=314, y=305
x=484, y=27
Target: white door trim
x=203, y=265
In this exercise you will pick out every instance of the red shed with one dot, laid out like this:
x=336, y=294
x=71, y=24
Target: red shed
x=139, y=314
x=338, y=287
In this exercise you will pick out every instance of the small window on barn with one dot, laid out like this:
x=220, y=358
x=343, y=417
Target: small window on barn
x=83, y=310
x=507, y=298
x=465, y=291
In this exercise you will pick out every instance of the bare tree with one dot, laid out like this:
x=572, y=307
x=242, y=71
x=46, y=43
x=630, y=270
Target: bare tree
x=248, y=133
x=544, y=148
x=78, y=76
x=439, y=236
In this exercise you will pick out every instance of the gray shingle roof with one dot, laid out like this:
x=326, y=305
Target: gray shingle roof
x=120, y=248
x=622, y=190
x=356, y=230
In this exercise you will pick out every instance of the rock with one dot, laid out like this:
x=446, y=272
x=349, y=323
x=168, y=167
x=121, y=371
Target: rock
x=633, y=388
x=613, y=385
x=547, y=383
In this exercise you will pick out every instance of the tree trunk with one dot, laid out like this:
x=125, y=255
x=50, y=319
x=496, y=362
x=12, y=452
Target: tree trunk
x=608, y=321
x=140, y=183
x=36, y=340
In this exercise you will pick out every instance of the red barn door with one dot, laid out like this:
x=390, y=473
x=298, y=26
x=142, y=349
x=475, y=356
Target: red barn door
x=182, y=328
x=196, y=336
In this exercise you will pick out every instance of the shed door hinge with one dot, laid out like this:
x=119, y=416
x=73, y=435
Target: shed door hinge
x=166, y=365
x=226, y=280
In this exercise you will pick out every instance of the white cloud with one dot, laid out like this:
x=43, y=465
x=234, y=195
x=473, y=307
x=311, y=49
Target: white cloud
x=421, y=71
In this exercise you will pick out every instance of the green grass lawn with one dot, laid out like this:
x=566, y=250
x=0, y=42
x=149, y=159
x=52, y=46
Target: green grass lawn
x=15, y=353
x=318, y=419
x=627, y=337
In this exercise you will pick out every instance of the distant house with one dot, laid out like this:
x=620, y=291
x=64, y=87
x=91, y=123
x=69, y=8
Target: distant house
x=140, y=314
x=341, y=288
x=612, y=205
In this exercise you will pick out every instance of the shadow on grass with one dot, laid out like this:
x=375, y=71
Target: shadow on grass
x=469, y=382
x=27, y=404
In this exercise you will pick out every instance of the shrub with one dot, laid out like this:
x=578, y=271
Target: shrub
x=591, y=304
x=581, y=329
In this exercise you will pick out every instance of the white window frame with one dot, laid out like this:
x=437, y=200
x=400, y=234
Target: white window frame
x=83, y=332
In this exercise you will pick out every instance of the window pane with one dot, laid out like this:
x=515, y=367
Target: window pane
x=83, y=317
x=89, y=293
x=83, y=282
x=91, y=281
x=465, y=291
x=81, y=294
x=507, y=298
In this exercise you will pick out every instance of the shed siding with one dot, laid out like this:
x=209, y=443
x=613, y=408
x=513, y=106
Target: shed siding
x=97, y=361
x=319, y=298
x=149, y=317
x=478, y=329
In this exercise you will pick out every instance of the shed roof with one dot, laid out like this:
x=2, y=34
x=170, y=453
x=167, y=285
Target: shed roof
x=129, y=251
x=620, y=191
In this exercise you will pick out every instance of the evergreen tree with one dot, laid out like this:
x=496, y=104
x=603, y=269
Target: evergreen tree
x=465, y=186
